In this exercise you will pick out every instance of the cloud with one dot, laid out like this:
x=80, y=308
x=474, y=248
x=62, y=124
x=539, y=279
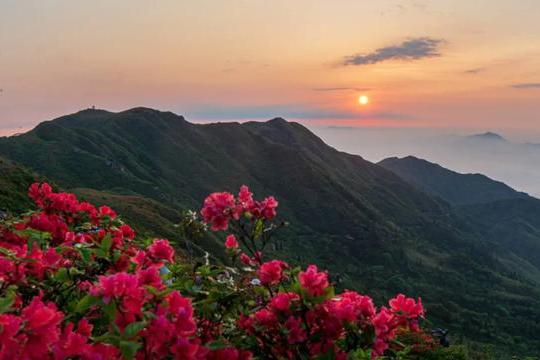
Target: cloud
x=526, y=86
x=224, y=112
x=409, y=50
x=475, y=71
x=340, y=89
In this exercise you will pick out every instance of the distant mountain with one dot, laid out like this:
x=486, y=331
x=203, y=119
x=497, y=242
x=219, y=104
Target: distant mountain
x=453, y=187
x=489, y=136
x=356, y=218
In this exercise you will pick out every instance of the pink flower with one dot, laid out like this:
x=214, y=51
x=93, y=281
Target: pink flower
x=282, y=301
x=230, y=242
x=42, y=326
x=161, y=250
x=265, y=318
x=187, y=350
x=296, y=334
x=229, y=354
x=39, y=193
x=271, y=272
x=314, y=282
x=268, y=207
x=407, y=307
x=351, y=306
x=384, y=325
x=265, y=209
x=104, y=211
x=9, y=346
x=218, y=209
x=245, y=198
x=245, y=259
x=127, y=232
x=150, y=276
x=74, y=344
x=124, y=287
x=182, y=313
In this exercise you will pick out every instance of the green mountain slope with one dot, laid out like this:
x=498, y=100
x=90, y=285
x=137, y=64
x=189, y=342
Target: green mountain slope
x=456, y=188
x=508, y=218
x=353, y=217
x=14, y=182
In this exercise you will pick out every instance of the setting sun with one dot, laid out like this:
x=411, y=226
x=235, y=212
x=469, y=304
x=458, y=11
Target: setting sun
x=363, y=100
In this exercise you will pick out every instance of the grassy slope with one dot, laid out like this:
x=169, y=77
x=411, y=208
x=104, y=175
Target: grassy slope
x=14, y=182
x=360, y=220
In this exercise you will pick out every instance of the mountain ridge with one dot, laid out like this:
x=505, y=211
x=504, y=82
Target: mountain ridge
x=354, y=217
x=453, y=187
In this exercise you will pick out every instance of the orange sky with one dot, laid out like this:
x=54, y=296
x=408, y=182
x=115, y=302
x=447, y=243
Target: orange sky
x=446, y=63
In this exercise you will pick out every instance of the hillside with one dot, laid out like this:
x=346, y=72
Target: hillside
x=507, y=217
x=14, y=181
x=351, y=216
x=453, y=187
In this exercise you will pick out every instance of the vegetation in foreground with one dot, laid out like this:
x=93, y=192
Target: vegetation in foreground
x=76, y=282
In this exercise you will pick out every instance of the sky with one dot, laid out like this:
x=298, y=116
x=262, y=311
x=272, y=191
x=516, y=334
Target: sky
x=439, y=64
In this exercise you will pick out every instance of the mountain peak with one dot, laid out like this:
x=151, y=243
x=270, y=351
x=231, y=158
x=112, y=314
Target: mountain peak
x=278, y=120
x=488, y=136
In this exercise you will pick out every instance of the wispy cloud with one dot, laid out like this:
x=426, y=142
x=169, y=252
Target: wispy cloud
x=224, y=112
x=475, y=71
x=527, y=86
x=409, y=50
x=341, y=89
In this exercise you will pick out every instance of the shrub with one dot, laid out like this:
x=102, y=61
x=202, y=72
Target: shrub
x=76, y=282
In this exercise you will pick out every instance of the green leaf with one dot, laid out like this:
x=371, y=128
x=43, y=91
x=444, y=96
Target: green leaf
x=62, y=275
x=85, y=254
x=110, y=310
x=86, y=302
x=7, y=301
x=133, y=329
x=216, y=345
x=129, y=349
x=106, y=244
x=359, y=354
x=258, y=228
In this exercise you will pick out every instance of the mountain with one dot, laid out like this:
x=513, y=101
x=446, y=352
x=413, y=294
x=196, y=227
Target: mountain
x=356, y=218
x=453, y=187
x=508, y=217
x=487, y=136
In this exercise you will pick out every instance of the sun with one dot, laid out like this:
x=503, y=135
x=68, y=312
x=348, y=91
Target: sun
x=363, y=100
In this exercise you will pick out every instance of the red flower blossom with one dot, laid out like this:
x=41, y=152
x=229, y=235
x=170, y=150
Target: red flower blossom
x=105, y=211
x=42, y=327
x=218, y=209
x=182, y=314
x=230, y=242
x=296, y=334
x=229, y=354
x=314, y=282
x=245, y=198
x=407, y=307
x=271, y=272
x=161, y=250
x=282, y=301
x=351, y=306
